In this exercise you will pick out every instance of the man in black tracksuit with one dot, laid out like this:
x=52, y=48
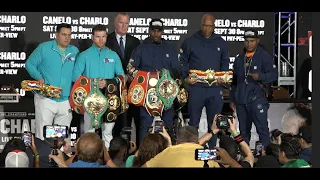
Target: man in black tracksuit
x=253, y=70
x=202, y=51
x=154, y=54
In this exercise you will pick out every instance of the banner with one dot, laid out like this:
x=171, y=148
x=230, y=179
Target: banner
x=21, y=32
x=304, y=56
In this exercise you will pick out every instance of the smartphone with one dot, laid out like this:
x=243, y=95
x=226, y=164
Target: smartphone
x=205, y=154
x=27, y=138
x=258, y=148
x=158, y=126
x=55, y=131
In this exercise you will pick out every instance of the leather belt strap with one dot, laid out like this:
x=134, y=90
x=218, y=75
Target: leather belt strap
x=79, y=92
x=123, y=94
x=153, y=105
x=137, y=89
x=112, y=93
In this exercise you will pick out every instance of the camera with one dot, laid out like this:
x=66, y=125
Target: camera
x=222, y=121
x=54, y=133
x=27, y=138
x=205, y=154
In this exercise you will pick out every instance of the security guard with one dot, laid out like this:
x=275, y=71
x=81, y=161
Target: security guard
x=154, y=54
x=253, y=70
x=201, y=52
x=98, y=62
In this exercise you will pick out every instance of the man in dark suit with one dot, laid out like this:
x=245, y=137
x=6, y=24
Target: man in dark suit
x=124, y=44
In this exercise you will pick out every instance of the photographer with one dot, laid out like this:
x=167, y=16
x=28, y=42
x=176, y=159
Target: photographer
x=90, y=148
x=226, y=123
x=182, y=154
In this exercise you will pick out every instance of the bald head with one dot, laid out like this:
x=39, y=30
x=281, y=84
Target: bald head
x=89, y=147
x=207, y=25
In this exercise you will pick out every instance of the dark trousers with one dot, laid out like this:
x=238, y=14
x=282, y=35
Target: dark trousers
x=125, y=120
x=212, y=99
x=257, y=113
x=146, y=121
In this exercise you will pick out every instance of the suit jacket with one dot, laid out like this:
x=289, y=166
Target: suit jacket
x=131, y=43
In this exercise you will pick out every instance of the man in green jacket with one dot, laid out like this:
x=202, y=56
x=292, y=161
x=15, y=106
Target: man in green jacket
x=289, y=153
x=52, y=63
x=98, y=62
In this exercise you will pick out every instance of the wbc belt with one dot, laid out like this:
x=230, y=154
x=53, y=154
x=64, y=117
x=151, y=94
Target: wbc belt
x=45, y=90
x=153, y=105
x=95, y=104
x=167, y=89
x=210, y=76
x=137, y=89
x=123, y=94
x=112, y=93
x=79, y=92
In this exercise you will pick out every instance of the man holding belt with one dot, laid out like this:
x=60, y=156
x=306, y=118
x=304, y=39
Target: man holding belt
x=52, y=63
x=201, y=54
x=98, y=61
x=153, y=55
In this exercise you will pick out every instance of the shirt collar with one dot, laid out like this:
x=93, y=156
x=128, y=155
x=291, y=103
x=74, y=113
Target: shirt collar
x=118, y=37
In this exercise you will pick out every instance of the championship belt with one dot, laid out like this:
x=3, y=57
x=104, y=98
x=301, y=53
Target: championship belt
x=79, y=92
x=123, y=94
x=153, y=105
x=210, y=76
x=95, y=104
x=137, y=89
x=45, y=90
x=167, y=89
x=181, y=99
x=112, y=93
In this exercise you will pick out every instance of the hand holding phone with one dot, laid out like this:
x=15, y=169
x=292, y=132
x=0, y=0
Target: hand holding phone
x=205, y=154
x=158, y=126
x=258, y=148
x=27, y=138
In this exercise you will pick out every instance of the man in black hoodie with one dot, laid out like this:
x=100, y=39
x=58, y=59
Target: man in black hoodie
x=154, y=54
x=252, y=71
x=204, y=51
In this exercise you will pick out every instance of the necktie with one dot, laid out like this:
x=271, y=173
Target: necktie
x=122, y=47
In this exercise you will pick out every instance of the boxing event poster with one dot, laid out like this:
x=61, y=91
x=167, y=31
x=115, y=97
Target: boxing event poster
x=21, y=32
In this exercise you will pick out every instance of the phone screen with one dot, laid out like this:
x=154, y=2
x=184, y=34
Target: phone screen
x=205, y=154
x=27, y=138
x=258, y=148
x=56, y=131
x=158, y=126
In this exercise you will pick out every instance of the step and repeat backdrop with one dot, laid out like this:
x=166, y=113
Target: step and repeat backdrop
x=21, y=32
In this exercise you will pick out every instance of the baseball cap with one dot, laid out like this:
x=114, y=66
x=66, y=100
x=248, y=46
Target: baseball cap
x=305, y=133
x=156, y=24
x=251, y=33
x=17, y=158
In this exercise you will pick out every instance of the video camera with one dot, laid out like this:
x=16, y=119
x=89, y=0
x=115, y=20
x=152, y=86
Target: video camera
x=54, y=133
x=222, y=121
